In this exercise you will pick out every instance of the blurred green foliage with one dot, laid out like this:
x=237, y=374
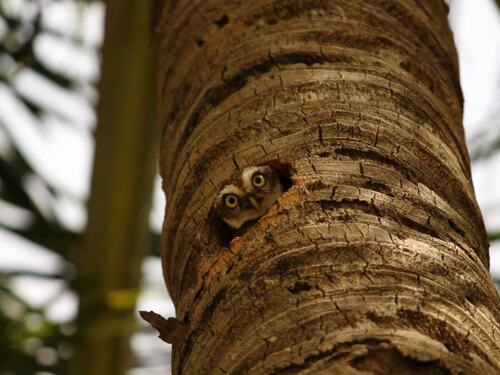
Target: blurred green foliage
x=29, y=341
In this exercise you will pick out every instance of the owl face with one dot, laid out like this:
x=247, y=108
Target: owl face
x=250, y=196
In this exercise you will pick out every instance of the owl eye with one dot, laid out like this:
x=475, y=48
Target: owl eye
x=231, y=201
x=258, y=180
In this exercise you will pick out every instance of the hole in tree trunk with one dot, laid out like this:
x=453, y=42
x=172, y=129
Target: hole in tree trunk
x=284, y=170
x=221, y=22
x=299, y=287
x=223, y=233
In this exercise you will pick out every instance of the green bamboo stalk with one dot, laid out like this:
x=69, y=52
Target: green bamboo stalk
x=117, y=234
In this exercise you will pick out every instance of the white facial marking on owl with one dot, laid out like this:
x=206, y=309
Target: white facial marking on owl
x=246, y=177
x=231, y=189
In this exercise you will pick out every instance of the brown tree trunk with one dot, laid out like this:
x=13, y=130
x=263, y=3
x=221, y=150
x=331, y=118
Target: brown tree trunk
x=375, y=260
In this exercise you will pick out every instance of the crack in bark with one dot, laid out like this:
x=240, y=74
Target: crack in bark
x=216, y=95
x=365, y=355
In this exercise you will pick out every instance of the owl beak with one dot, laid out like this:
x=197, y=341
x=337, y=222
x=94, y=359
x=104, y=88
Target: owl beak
x=254, y=203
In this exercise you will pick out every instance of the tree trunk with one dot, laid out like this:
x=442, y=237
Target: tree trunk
x=375, y=260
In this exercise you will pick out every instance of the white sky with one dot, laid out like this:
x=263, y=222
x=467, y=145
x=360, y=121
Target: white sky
x=476, y=27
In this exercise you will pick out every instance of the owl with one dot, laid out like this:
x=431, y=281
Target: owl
x=249, y=196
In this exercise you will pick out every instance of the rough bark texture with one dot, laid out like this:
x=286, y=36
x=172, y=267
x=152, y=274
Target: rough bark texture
x=375, y=260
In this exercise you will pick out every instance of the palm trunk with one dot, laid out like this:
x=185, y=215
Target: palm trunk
x=376, y=258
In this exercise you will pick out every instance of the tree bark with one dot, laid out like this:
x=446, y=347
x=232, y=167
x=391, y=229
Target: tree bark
x=375, y=260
